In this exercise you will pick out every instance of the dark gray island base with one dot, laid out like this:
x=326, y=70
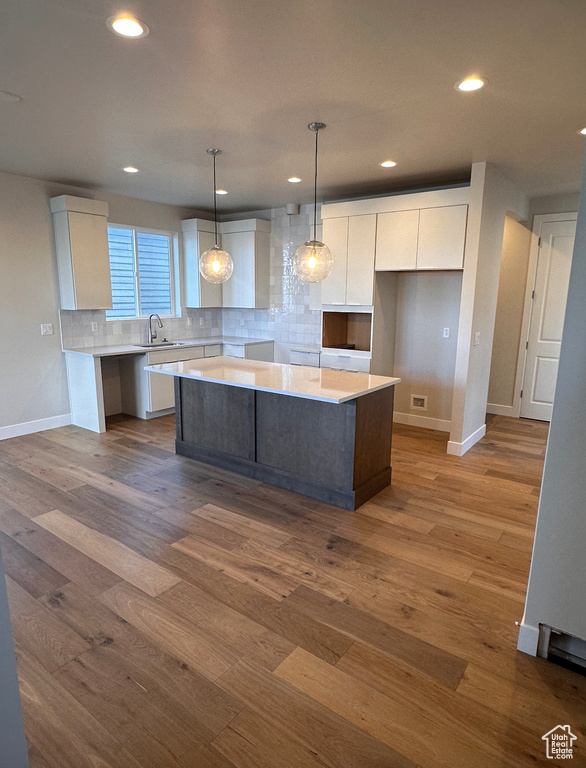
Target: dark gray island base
x=337, y=453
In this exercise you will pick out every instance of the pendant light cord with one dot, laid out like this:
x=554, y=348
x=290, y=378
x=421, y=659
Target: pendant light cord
x=315, y=191
x=215, y=206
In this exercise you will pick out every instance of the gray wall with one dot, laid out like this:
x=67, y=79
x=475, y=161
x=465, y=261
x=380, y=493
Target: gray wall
x=557, y=584
x=12, y=741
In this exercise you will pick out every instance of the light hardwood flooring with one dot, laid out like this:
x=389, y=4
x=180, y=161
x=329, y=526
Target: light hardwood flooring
x=170, y=615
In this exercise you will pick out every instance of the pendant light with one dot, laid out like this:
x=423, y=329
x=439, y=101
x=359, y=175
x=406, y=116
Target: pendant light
x=215, y=264
x=313, y=261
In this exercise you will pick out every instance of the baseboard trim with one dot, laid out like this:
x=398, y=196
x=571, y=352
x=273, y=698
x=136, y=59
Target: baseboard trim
x=528, y=640
x=459, y=449
x=40, y=425
x=500, y=410
x=414, y=420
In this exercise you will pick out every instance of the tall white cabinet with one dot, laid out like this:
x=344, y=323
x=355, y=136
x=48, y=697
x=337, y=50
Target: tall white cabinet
x=81, y=243
x=198, y=236
x=351, y=240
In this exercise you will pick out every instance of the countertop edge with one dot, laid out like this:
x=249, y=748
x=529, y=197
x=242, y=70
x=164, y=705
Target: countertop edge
x=305, y=396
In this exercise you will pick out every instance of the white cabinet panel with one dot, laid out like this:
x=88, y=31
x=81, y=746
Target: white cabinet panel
x=335, y=236
x=81, y=240
x=344, y=362
x=198, y=236
x=442, y=235
x=360, y=260
x=300, y=357
x=213, y=350
x=396, y=240
x=234, y=350
x=238, y=291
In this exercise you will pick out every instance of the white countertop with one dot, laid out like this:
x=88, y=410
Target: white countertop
x=296, y=380
x=134, y=349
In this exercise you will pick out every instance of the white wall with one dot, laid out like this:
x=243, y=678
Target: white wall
x=556, y=593
x=427, y=302
x=33, y=382
x=509, y=316
x=491, y=197
x=505, y=384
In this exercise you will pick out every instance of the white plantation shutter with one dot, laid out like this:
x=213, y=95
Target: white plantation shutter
x=154, y=273
x=121, y=247
x=141, y=273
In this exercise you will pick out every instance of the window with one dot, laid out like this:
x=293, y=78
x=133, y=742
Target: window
x=141, y=270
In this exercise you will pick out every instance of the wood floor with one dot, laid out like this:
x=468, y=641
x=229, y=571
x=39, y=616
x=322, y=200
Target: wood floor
x=167, y=614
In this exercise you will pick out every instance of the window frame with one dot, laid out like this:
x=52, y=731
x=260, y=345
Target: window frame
x=173, y=270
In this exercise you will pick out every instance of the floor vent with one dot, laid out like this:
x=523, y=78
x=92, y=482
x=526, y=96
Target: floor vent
x=419, y=402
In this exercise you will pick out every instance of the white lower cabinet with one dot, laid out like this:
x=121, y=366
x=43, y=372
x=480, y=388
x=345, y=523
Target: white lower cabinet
x=145, y=394
x=304, y=357
x=263, y=350
x=345, y=362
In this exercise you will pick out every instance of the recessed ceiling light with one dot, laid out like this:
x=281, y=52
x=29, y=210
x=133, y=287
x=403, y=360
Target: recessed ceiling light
x=130, y=169
x=127, y=26
x=582, y=131
x=294, y=179
x=388, y=164
x=470, y=84
x=10, y=98
x=221, y=192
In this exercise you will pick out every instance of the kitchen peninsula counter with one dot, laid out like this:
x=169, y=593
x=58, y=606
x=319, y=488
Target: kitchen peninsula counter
x=320, y=432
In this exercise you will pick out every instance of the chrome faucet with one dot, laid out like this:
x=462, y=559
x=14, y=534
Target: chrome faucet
x=153, y=333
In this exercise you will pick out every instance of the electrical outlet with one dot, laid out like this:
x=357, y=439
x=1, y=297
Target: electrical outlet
x=47, y=329
x=241, y=322
x=95, y=327
x=446, y=333
x=189, y=321
x=202, y=321
x=477, y=338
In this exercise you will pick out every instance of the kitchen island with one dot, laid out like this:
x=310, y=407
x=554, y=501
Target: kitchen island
x=320, y=432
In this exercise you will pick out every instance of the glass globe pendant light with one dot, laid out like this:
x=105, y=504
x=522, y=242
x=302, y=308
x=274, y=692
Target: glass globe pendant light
x=313, y=261
x=215, y=264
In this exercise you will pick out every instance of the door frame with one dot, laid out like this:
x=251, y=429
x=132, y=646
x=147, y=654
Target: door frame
x=538, y=222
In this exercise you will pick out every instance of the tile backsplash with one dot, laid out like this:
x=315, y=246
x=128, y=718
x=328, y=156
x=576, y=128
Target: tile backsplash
x=288, y=321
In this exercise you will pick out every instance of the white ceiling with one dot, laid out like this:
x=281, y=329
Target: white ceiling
x=248, y=75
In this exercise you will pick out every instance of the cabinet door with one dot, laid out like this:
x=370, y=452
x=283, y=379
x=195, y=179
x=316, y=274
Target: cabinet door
x=162, y=391
x=335, y=236
x=442, y=234
x=360, y=263
x=198, y=291
x=239, y=290
x=396, y=240
x=88, y=238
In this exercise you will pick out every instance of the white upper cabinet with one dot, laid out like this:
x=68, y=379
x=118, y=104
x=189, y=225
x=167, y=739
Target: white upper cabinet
x=198, y=236
x=427, y=238
x=442, y=236
x=81, y=241
x=360, y=263
x=396, y=240
x=248, y=242
x=351, y=241
x=335, y=236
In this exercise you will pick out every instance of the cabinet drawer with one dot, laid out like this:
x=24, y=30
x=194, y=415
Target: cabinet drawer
x=345, y=362
x=174, y=355
x=233, y=350
x=213, y=350
x=304, y=358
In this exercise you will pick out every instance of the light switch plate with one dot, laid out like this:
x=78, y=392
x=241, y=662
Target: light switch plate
x=95, y=327
x=47, y=329
x=477, y=338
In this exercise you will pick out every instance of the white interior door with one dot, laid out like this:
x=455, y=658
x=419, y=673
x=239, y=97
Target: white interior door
x=547, y=318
